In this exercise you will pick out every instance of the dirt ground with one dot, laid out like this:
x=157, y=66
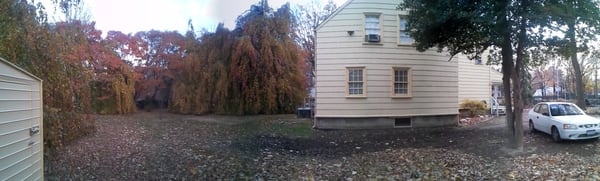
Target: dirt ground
x=162, y=146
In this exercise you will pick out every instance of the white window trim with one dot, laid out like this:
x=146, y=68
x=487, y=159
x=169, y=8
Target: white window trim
x=364, y=26
x=364, y=85
x=393, y=82
x=400, y=16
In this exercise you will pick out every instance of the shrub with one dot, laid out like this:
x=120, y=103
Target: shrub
x=473, y=107
x=63, y=127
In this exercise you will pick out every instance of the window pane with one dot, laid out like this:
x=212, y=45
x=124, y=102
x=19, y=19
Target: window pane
x=355, y=75
x=372, y=18
x=401, y=88
x=359, y=75
x=355, y=88
x=401, y=81
x=372, y=24
x=403, y=91
x=352, y=85
x=403, y=76
x=405, y=38
x=373, y=31
x=355, y=81
x=403, y=35
x=400, y=75
x=403, y=24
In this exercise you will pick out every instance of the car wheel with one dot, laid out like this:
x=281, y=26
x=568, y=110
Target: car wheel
x=531, y=128
x=555, y=135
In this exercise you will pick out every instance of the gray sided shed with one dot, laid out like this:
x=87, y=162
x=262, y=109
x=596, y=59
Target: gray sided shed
x=21, y=143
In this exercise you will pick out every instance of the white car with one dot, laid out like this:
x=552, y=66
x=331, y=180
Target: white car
x=563, y=120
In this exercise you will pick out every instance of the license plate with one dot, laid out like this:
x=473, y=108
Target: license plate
x=591, y=132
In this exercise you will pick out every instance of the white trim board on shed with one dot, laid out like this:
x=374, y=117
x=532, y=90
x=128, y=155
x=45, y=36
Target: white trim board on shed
x=21, y=115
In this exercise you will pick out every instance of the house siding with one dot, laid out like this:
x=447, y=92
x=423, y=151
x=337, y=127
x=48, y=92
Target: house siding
x=475, y=81
x=21, y=154
x=434, y=77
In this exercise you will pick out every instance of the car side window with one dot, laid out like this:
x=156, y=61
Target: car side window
x=544, y=109
x=557, y=110
x=536, y=108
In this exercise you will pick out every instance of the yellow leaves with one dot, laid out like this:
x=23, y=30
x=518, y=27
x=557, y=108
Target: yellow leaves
x=257, y=70
x=511, y=175
x=193, y=170
x=473, y=107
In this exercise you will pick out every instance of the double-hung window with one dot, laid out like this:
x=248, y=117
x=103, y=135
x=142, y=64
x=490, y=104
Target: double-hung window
x=372, y=27
x=355, y=85
x=403, y=32
x=401, y=82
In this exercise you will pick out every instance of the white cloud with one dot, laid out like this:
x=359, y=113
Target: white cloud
x=131, y=16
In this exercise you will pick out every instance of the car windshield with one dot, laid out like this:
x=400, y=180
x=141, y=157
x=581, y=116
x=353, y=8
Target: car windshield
x=564, y=110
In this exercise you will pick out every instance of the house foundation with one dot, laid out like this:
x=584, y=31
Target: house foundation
x=386, y=122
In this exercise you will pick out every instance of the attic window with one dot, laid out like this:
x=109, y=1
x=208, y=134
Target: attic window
x=372, y=28
x=403, y=31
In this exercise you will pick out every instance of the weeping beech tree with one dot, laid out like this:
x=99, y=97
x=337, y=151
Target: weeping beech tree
x=256, y=69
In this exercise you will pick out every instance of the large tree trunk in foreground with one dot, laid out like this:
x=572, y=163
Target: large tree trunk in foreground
x=518, y=84
x=576, y=67
x=515, y=140
x=507, y=71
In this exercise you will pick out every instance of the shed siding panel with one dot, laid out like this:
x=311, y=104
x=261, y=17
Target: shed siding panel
x=20, y=109
x=27, y=167
x=25, y=160
x=9, y=73
x=6, y=117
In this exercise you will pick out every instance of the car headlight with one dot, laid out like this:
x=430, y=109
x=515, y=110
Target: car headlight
x=569, y=126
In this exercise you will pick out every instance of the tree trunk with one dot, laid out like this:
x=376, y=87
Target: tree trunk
x=576, y=67
x=507, y=70
x=518, y=83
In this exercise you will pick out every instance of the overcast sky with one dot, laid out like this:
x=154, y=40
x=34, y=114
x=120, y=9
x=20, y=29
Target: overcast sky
x=130, y=16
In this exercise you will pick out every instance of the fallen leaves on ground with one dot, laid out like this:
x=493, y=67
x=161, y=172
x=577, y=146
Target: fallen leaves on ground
x=161, y=146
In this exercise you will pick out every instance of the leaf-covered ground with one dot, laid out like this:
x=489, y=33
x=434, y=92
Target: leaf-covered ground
x=161, y=146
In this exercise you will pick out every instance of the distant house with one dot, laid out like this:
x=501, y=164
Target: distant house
x=548, y=91
x=369, y=75
x=478, y=81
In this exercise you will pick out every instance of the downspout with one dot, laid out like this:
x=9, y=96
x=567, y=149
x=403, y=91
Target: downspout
x=314, y=112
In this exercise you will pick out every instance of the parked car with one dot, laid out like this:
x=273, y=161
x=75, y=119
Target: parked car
x=563, y=120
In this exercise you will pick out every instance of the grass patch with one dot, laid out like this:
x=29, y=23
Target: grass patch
x=293, y=129
x=280, y=126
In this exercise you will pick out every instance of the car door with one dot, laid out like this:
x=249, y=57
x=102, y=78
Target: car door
x=534, y=116
x=544, y=118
